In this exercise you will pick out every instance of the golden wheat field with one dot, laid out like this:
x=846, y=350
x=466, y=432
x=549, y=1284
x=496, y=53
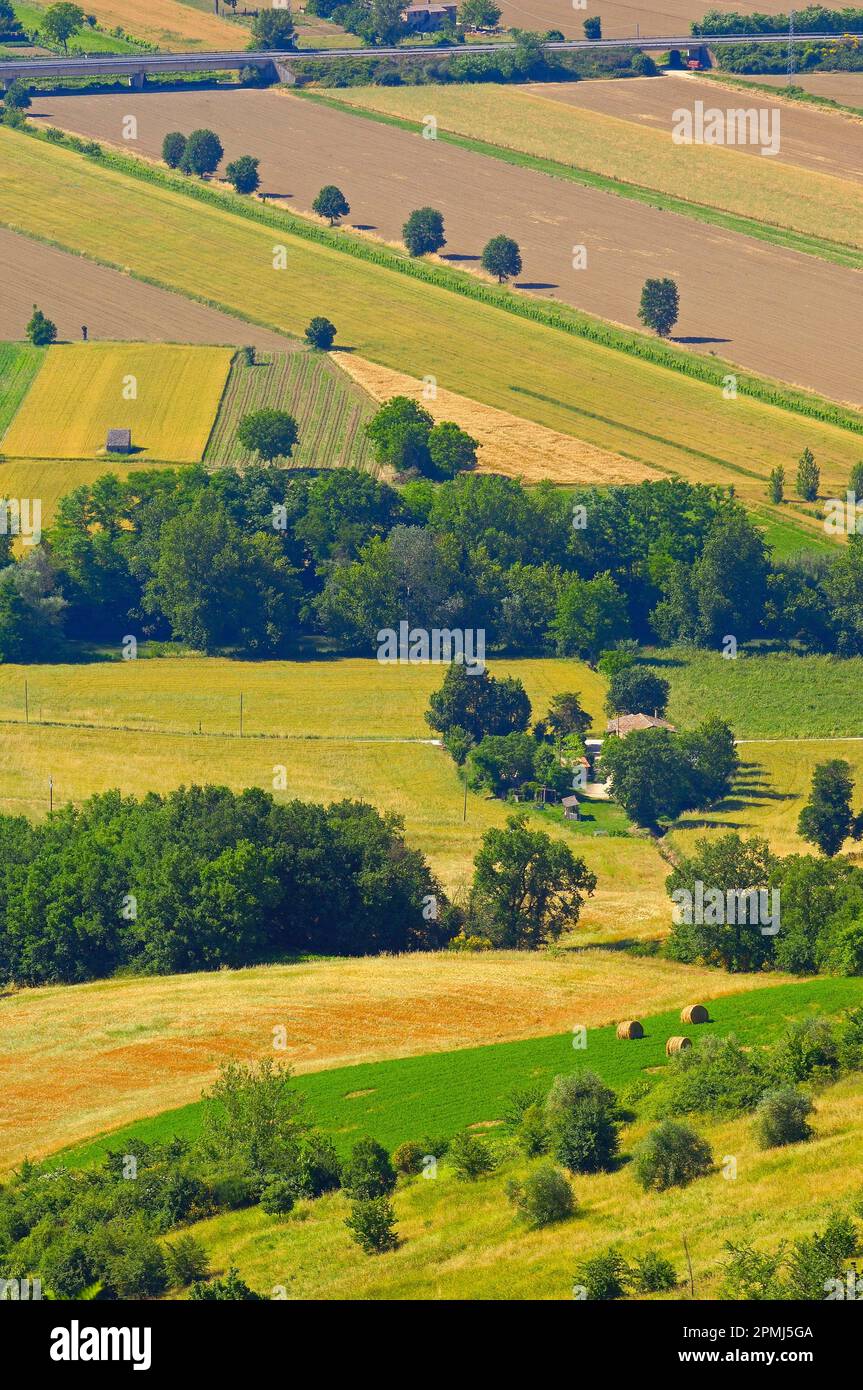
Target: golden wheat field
x=167, y=395
x=79, y=1059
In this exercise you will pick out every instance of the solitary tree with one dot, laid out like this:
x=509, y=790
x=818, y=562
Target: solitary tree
x=270, y=434
x=173, y=148
x=660, y=306
x=41, y=330
x=331, y=203
x=827, y=820
x=855, y=482
x=203, y=153
x=808, y=476
x=321, y=333
x=501, y=257
x=243, y=173
x=61, y=21
x=777, y=484
x=527, y=888
x=593, y=27
x=273, y=29
x=423, y=231
x=637, y=690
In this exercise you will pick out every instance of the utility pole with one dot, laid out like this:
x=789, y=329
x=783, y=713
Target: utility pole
x=790, y=68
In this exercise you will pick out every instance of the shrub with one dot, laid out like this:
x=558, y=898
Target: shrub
x=652, y=1273
x=603, y=1276
x=368, y=1173
x=672, y=1155
x=807, y=1051
x=408, y=1158
x=230, y=1289
x=470, y=1157
x=186, y=1261
x=372, y=1225
x=782, y=1118
x=320, y=1168
x=715, y=1076
x=233, y=1191
x=582, y=1113
x=518, y=1101
x=135, y=1266
x=277, y=1198
x=532, y=1133
x=544, y=1198
x=321, y=334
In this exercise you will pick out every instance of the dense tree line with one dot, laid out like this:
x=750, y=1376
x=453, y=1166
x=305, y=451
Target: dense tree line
x=255, y=562
x=203, y=878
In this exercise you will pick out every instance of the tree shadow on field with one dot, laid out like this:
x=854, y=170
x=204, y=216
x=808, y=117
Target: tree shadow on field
x=458, y=256
x=363, y=226
x=695, y=340
x=535, y=285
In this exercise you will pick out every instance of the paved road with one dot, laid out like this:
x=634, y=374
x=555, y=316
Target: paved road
x=153, y=64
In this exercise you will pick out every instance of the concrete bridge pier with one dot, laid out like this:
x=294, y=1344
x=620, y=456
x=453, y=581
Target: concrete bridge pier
x=138, y=81
x=283, y=73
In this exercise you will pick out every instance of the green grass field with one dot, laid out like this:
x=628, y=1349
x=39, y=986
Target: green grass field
x=778, y=695
x=462, y=1240
x=330, y=410
x=166, y=394
x=623, y=403
x=19, y=364
x=87, y=40
x=444, y=1092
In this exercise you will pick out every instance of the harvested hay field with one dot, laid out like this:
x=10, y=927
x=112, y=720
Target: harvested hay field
x=734, y=287
x=81, y=1059
x=329, y=408
x=172, y=24
x=811, y=139
x=412, y=780
x=844, y=87
x=619, y=402
x=551, y=120
x=516, y=448
x=769, y=792
x=167, y=395
x=73, y=291
x=620, y=17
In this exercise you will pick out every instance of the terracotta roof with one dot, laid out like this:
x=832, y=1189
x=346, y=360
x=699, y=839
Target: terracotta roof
x=627, y=723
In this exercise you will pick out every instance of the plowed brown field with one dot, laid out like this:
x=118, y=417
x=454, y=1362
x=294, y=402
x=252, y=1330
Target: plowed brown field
x=735, y=290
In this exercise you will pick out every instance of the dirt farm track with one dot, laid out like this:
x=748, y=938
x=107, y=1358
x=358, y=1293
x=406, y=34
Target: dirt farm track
x=734, y=289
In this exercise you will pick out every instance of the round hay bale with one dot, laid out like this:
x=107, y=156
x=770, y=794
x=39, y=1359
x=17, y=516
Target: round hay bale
x=694, y=1013
x=630, y=1028
x=677, y=1045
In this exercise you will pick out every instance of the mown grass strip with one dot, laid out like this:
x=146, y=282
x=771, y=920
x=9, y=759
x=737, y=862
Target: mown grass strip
x=822, y=247
x=543, y=312
x=444, y=1092
x=19, y=365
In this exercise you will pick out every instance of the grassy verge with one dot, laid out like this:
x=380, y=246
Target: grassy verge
x=792, y=93
x=791, y=240
x=444, y=1092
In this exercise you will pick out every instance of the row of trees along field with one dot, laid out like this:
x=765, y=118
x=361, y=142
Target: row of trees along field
x=92, y=1231
x=343, y=556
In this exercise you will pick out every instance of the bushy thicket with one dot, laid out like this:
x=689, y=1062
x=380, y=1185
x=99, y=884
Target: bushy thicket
x=815, y=19
x=814, y=906
x=202, y=878
x=257, y=562
x=810, y=1269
